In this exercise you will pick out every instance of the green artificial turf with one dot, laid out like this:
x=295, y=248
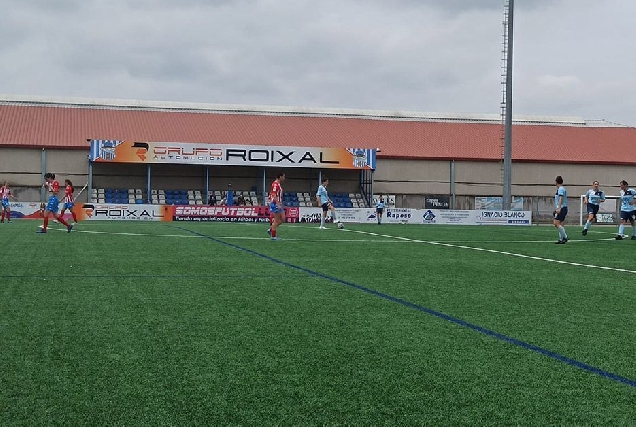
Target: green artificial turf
x=140, y=323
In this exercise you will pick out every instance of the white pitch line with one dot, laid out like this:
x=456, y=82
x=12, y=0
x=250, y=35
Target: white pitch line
x=494, y=251
x=189, y=236
x=194, y=236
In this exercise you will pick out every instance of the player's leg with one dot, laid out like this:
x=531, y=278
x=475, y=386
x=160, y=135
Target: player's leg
x=277, y=221
x=334, y=216
x=62, y=221
x=621, y=227
x=323, y=216
x=73, y=214
x=590, y=218
x=45, y=222
x=558, y=223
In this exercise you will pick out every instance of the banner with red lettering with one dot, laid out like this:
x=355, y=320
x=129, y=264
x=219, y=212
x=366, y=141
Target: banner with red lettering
x=227, y=213
x=114, y=151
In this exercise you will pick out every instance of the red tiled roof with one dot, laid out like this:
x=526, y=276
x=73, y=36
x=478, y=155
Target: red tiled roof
x=70, y=127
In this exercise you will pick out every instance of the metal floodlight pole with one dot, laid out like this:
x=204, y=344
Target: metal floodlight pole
x=507, y=166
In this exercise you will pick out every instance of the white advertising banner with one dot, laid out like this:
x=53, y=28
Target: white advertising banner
x=424, y=216
x=142, y=212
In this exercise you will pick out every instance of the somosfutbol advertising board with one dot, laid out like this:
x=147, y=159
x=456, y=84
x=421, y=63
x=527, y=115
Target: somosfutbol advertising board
x=203, y=213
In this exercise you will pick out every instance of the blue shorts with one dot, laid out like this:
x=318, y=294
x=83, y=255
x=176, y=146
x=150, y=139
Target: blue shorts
x=592, y=209
x=562, y=214
x=628, y=215
x=5, y=203
x=53, y=204
x=68, y=205
x=273, y=208
x=325, y=206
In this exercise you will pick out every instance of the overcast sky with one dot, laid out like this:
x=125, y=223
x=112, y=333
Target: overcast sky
x=571, y=57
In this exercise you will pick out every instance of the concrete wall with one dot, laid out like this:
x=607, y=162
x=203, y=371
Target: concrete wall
x=24, y=169
x=409, y=180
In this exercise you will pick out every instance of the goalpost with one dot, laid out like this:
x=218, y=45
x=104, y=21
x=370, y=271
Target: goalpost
x=608, y=213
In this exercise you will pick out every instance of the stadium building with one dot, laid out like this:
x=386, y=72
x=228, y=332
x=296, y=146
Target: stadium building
x=449, y=158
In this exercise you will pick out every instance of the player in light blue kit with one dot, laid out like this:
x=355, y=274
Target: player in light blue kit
x=379, y=208
x=561, y=211
x=593, y=198
x=628, y=210
x=323, y=200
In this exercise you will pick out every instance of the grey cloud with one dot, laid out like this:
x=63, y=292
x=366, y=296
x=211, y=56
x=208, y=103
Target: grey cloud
x=425, y=55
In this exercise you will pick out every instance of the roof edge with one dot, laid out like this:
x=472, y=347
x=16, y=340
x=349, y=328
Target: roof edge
x=132, y=104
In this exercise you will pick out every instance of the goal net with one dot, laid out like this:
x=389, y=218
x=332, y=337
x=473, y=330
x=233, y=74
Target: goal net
x=608, y=212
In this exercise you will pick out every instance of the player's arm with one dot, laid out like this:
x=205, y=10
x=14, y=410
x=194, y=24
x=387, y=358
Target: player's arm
x=560, y=203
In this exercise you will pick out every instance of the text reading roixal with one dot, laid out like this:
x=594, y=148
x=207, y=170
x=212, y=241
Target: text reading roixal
x=276, y=156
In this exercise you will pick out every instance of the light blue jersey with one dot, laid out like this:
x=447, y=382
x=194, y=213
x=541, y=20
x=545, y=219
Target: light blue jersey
x=561, y=192
x=380, y=204
x=595, y=197
x=322, y=193
x=627, y=198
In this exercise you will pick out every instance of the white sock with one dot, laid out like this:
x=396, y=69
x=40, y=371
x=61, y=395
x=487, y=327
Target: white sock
x=562, y=232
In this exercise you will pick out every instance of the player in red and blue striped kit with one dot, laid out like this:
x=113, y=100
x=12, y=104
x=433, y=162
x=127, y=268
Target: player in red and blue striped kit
x=69, y=200
x=276, y=205
x=52, y=206
x=5, y=193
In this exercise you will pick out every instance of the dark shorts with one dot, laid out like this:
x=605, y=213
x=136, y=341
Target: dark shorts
x=325, y=207
x=562, y=214
x=628, y=215
x=592, y=209
x=379, y=210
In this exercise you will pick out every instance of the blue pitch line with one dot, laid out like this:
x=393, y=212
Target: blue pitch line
x=146, y=276
x=440, y=315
